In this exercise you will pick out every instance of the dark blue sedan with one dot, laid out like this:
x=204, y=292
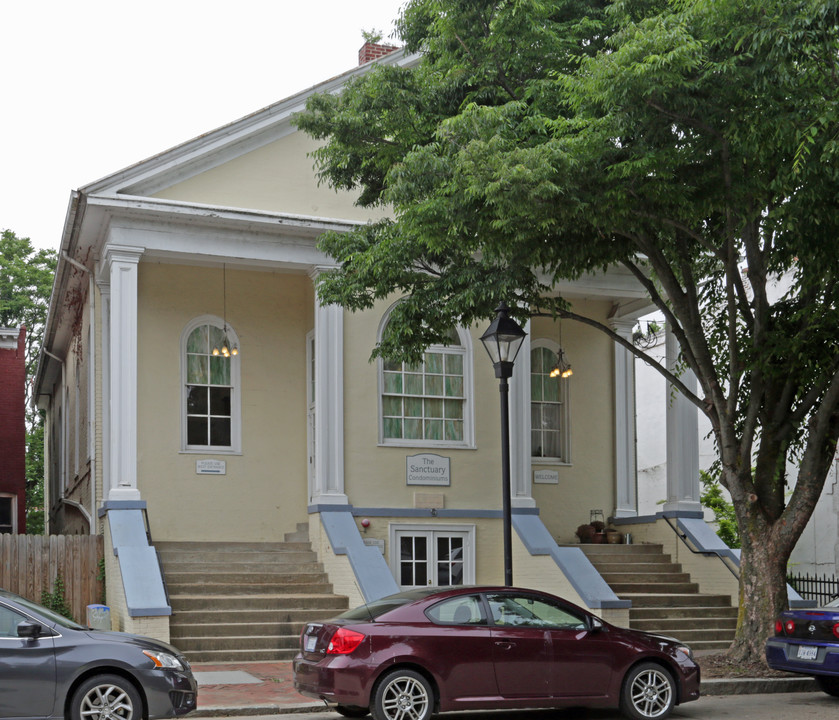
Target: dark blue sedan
x=807, y=642
x=51, y=667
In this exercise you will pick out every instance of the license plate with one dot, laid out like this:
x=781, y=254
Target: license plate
x=807, y=652
x=311, y=641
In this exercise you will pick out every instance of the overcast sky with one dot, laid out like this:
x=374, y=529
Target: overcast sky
x=92, y=86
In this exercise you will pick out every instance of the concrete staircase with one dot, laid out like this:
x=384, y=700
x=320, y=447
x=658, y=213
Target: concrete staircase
x=245, y=602
x=664, y=600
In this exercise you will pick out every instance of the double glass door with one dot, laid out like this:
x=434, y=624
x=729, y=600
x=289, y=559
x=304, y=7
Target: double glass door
x=432, y=558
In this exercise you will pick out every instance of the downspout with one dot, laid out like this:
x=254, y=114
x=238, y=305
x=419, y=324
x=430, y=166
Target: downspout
x=91, y=384
x=63, y=435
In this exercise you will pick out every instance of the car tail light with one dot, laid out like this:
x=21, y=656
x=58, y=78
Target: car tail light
x=779, y=627
x=789, y=626
x=836, y=629
x=344, y=642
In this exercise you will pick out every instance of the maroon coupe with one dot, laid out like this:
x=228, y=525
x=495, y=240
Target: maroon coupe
x=415, y=653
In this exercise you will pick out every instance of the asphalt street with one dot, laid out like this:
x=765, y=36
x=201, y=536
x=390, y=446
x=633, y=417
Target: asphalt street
x=800, y=706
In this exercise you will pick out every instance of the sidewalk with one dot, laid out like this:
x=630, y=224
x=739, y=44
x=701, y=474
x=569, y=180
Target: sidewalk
x=268, y=688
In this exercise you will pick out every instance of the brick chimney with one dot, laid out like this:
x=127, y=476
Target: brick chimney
x=373, y=51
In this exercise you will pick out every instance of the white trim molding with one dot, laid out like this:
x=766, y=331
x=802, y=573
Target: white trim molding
x=122, y=262
x=682, y=438
x=328, y=484
x=626, y=475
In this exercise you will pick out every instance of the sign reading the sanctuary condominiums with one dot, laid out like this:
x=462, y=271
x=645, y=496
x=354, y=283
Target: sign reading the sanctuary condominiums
x=428, y=469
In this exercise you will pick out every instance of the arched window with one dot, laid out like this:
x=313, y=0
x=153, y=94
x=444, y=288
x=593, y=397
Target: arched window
x=429, y=404
x=549, y=412
x=210, y=408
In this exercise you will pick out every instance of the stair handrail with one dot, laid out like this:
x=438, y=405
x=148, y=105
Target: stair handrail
x=727, y=560
x=157, y=555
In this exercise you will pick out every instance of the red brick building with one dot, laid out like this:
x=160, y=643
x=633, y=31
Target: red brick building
x=12, y=430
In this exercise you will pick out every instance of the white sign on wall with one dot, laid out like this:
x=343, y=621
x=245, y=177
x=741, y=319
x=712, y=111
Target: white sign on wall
x=428, y=469
x=210, y=467
x=546, y=477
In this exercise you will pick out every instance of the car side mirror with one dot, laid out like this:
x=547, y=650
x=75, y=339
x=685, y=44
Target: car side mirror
x=596, y=625
x=29, y=630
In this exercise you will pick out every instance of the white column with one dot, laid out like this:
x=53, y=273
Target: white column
x=521, y=482
x=626, y=476
x=329, y=404
x=682, y=439
x=105, y=364
x=122, y=263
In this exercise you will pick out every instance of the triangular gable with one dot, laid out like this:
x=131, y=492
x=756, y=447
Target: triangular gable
x=240, y=139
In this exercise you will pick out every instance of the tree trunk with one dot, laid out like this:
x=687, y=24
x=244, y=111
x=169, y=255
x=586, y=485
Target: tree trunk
x=763, y=582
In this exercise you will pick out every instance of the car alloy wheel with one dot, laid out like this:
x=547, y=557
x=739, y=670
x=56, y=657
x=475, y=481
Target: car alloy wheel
x=648, y=693
x=403, y=695
x=106, y=697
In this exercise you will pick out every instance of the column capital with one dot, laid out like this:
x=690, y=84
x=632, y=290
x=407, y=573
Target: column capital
x=122, y=253
x=623, y=326
x=316, y=270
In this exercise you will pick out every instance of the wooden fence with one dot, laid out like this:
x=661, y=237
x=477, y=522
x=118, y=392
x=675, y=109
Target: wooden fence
x=30, y=564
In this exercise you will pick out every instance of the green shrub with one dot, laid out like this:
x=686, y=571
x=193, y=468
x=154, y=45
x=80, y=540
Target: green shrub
x=55, y=600
x=723, y=510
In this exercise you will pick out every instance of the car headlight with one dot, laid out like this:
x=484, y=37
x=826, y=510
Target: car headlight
x=163, y=660
x=685, y=650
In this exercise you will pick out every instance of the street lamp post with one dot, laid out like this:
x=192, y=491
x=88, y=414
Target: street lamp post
x=503, y=340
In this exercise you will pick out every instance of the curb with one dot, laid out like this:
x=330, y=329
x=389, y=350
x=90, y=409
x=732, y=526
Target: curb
x=720, y=686
x=751, y=686
x=286, y=709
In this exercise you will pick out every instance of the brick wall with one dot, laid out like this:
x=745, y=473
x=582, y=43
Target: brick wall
x=12, y=418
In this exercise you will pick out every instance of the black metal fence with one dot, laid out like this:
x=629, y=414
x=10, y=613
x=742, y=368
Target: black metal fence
x=822, y=588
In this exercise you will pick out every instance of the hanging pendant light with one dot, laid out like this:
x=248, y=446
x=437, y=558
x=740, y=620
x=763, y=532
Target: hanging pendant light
x=225, y=348
x=562, y=367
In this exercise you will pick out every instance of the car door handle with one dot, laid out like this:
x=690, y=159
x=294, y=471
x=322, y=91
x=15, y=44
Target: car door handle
x=505, y=644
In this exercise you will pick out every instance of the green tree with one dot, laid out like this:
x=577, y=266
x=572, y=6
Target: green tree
x=693, y=142
x=26, y=277
x=712, y=497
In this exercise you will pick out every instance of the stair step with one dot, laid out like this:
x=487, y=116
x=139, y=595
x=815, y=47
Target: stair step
x=245, y=601
x=667, y=624
x=637, y=567
x=688, y=611
x=236, y=629
x=176, y=567
x=671, y=600
x=230, y=547
x=188, y=645
x=644, y=577
x=242, y=655
x=256, y=588
x=663, y=588
x=623, y=550
x=234, y=559
x=257, y=602
x=264, y=617
x=699, y=635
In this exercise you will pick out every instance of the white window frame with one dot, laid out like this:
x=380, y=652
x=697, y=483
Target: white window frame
x=235, y=447
x=468, y=394
x=565, y=413
x=395, y=530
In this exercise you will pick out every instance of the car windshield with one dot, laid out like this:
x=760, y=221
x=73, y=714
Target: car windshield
x=834, y=602
x=375, y=608
x=46, y=613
